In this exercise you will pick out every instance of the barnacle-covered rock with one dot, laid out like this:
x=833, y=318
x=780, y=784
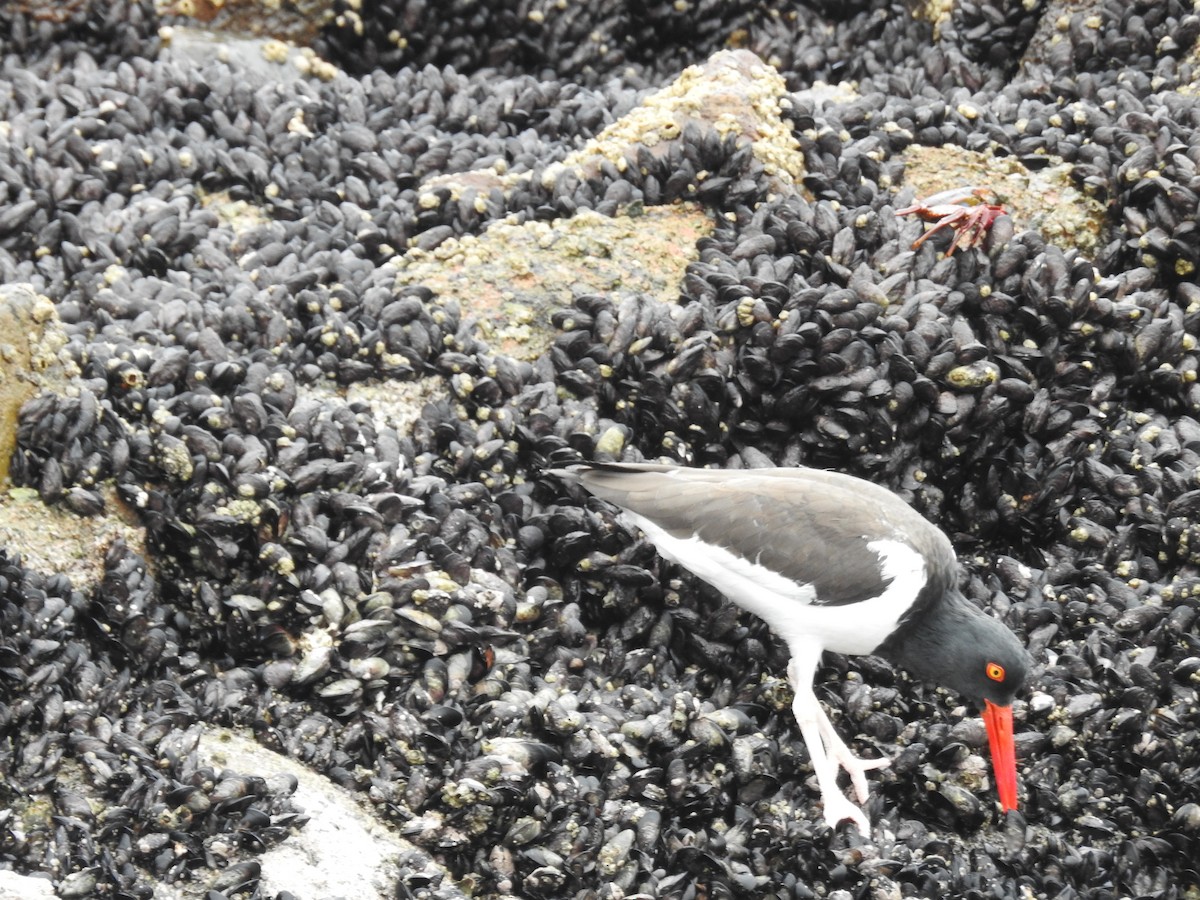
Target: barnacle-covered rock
x=514, y=276
x=285, y=305
x=31, y=345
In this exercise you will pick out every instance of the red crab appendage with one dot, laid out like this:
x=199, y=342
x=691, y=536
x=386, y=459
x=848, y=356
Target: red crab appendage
x=961, y=209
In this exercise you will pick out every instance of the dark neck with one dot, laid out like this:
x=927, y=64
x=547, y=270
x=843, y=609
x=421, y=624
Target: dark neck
x=925, y=644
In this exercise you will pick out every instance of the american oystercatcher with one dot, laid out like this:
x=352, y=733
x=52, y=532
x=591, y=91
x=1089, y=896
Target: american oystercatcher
x=830, y=562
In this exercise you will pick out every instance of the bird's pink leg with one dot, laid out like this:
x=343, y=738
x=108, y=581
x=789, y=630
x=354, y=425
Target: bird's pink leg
x=826, y=749
x=855, y=766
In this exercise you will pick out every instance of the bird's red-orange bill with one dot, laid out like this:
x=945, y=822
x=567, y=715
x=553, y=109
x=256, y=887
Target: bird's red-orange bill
x=998, y=720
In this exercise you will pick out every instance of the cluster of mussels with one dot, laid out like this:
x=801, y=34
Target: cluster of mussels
x=516, y=682
x=87, y=703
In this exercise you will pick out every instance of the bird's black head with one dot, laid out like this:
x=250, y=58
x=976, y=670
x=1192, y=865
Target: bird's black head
x=993, y=665
x=954, y=644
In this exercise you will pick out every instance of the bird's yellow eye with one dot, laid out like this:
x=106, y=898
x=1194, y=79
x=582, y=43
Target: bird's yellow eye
x=995, y=671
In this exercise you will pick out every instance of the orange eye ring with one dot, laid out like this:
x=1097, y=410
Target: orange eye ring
x=995, y=671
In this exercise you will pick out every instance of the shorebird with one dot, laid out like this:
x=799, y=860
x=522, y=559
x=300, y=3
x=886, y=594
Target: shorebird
x=829, y=562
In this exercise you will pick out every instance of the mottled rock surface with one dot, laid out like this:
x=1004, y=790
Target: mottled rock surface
x=307, y=382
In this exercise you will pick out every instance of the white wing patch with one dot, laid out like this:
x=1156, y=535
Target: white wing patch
x=786, y=605
x=906, y=569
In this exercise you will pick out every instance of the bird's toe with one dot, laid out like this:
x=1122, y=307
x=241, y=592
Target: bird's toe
x=838, y=809
x=858, y=769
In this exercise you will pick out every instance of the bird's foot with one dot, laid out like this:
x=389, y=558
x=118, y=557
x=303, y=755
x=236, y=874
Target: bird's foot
x=839, y=809
x=829, y=752
x=857, y=768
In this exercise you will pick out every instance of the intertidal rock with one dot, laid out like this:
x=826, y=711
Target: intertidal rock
x=392, y=594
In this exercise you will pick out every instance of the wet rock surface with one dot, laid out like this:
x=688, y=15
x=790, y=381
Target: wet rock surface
x=399, y=601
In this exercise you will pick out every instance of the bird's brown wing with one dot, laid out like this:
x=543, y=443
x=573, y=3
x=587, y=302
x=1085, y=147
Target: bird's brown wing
x=811, y=526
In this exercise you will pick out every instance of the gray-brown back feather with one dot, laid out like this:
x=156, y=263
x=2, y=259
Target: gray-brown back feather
x=806, y=524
